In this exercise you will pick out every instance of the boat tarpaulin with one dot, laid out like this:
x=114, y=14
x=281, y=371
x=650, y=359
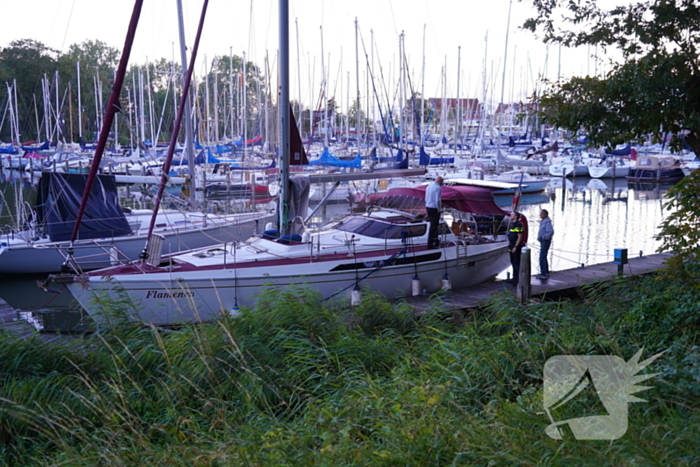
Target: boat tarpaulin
x=476, y=200
x=425, y=159
x=58, y=200
x=328, y=159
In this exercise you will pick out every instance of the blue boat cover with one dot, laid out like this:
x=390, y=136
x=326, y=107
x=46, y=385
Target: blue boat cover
x=425, y=159
x=9, y=150
x=58, y=200
x=329, y=160
x=624, y=151
x=44, y=147
x=201, y=158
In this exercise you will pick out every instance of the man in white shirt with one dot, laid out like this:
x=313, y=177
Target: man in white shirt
x=432, y=206
x=544, y=236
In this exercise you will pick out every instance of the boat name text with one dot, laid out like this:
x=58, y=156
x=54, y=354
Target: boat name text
x=158, y=294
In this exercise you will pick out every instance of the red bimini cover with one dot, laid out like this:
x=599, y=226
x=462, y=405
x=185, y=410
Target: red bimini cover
x=476, y=200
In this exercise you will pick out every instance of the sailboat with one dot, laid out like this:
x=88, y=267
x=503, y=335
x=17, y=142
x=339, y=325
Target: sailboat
x=384, y=250
x=109, y=234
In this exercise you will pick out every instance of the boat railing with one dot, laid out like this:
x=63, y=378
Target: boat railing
x=67, y=251
x=395, y=211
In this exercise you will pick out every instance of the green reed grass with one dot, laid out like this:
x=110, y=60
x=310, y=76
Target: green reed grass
x=296, y=381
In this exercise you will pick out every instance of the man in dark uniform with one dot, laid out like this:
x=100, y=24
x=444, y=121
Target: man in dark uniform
x=432, y=206
x=515, y=245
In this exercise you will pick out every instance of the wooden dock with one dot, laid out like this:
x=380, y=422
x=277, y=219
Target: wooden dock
x=567, y=281
x=559, y=282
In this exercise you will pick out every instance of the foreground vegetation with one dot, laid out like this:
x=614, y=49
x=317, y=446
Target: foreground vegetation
x=296, y=383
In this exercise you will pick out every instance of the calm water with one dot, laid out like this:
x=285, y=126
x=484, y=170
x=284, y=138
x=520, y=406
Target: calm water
x=591, y=218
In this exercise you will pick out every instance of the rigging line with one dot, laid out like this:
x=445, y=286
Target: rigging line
x=536, y=247
x=70, y=15
x=357, y=282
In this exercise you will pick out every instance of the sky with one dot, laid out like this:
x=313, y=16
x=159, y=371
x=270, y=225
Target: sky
x=466, y=39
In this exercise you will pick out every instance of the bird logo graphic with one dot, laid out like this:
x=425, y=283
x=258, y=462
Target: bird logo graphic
x=602, y=386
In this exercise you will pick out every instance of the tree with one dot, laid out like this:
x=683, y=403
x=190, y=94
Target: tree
x=654, y=90
x=356, y=116
x=97, y=62
x=27, y=62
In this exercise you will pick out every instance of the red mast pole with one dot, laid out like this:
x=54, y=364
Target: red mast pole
x=176, y=129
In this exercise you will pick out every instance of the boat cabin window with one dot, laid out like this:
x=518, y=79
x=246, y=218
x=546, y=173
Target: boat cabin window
x=378, y=229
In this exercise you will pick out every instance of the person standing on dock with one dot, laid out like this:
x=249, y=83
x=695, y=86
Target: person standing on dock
x=432, y=206
x=544, y=236
x=515, y=245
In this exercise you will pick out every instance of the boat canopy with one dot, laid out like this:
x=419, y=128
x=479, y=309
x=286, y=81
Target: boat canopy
x=655, y=162
x=58, y=200
x=471, y=199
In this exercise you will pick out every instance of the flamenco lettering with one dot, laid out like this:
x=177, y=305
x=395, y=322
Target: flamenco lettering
x=157, y=294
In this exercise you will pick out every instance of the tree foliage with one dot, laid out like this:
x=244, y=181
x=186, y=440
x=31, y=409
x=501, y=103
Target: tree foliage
x=680, y=231
x=655, y=88
x=28, y=65
x=25, y=63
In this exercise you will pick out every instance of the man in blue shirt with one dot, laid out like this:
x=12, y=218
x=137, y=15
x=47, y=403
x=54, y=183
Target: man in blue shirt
x=544, y=236
x=432, y=206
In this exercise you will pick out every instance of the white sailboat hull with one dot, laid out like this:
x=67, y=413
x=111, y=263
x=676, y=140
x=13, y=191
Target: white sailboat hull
x=202, y=295
x=568, y=170
x=608, y=172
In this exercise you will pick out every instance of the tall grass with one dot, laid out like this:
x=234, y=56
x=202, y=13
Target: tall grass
x=295, y=382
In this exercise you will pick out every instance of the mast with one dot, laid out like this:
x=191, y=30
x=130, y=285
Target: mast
x=300, y=114
x=323, y=94
x=357, y=80
x=80, y=106
x=189, y=153
x=284, y=116
x=151, y=120
x=47, y=105
x=207, y=106
x=401, y=93
x=57, y=113
x=458, y=118
x=232, y=114
x=245, y=110
x=116, y=128
x=215, y=72
x=422, y=95
x=142, y=110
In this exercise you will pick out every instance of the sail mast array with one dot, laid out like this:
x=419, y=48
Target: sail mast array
x=113, y=107
x=176, y=129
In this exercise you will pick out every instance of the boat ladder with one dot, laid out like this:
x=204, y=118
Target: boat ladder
x=461, y=251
